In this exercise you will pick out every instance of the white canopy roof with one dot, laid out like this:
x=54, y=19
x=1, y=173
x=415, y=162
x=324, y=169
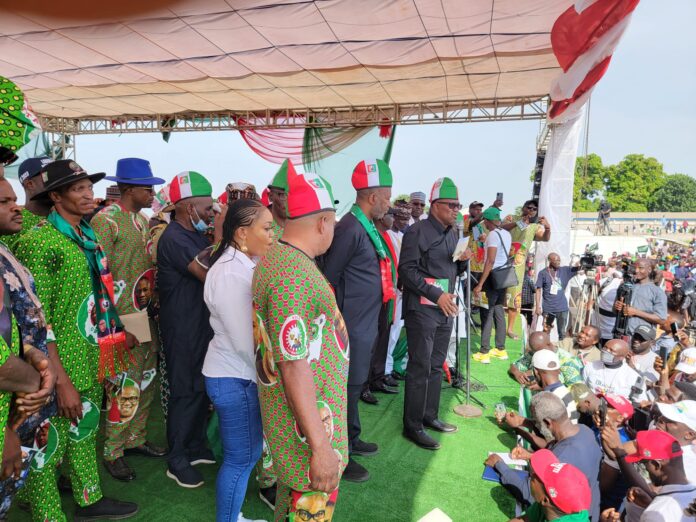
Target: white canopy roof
x=255, y=55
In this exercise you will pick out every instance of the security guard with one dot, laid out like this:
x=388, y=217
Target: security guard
x=428, y=275
x=359, y=267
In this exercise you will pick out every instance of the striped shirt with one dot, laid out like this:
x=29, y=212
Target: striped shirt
x=563, y=393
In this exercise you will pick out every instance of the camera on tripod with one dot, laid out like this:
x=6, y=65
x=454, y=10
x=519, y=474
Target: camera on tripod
x=590, y=260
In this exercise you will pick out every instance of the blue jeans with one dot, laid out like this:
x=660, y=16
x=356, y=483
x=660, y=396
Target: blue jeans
x=237, y=404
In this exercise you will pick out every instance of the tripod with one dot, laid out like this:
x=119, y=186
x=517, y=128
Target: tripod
x=588, y=298
x=467, y=409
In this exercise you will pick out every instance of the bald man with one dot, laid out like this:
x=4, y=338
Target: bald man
x=521, y=369
x=612, y=374
x=550, y=292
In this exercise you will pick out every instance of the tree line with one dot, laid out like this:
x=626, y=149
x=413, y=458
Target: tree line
x=635, y=184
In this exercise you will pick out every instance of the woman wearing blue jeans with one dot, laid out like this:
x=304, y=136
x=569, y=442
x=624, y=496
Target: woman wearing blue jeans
x=229, y=367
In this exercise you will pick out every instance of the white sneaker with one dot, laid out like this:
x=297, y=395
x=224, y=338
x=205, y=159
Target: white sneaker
x=242, y=518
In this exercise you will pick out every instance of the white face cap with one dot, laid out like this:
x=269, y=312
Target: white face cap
x=687, y=361
x=683, y=412
x=546, y=360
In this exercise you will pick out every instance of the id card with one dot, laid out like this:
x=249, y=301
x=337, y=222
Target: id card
x=442, y=284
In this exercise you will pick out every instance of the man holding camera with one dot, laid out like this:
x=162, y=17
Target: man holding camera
x=550, y=293
x=648, y=304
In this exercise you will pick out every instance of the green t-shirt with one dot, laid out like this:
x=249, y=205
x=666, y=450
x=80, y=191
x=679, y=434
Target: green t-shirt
x=125, y=238
x=64, y=286
x=6, y=396
x=297, y=318
x=535, y=513
x=29, y=221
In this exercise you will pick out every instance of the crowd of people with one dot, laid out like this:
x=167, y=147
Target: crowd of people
x=267, y=318
x=616, y=402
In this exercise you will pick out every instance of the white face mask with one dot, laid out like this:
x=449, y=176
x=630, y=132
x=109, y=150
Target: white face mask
x=607, y=357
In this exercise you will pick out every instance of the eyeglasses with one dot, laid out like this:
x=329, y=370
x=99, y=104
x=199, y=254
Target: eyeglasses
x=531, y=207
x=305, y=515
x=452, y=206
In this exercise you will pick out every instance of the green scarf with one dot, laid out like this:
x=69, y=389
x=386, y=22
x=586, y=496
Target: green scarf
x=387, y=264
x=111, y=336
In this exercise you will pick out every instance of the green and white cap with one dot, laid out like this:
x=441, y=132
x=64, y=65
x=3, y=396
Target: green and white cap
x=189, y=184
x=444, y=188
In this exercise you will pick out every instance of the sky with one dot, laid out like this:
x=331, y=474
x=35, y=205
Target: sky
x=644, y=104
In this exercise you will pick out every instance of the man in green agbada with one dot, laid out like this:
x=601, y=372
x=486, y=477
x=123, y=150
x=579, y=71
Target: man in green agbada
x=123, y=232
x=72, y=280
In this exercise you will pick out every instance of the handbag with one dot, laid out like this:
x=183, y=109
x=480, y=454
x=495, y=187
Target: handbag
x=503, y=276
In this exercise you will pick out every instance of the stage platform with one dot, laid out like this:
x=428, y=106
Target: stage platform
x=407, y=482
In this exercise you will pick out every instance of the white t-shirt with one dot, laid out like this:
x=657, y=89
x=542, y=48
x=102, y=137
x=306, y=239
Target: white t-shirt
x=617, y=381
x=605, y=301
x=644, y=363
x=227, y=293
x=669, y=504
x=493, y=239
x=689, y=458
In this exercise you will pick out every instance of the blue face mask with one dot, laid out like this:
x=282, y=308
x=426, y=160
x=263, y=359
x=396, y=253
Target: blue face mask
x=199, y=226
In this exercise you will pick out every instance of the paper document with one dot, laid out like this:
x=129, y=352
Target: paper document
x=507, y=459
x=462, y=245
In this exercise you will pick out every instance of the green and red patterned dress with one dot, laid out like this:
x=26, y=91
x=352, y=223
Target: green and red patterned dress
x=125, y=238
x=297, y=319
x=522, y=238
x=64, y=286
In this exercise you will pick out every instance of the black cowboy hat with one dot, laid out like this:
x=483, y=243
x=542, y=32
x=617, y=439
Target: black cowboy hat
x=62, y=173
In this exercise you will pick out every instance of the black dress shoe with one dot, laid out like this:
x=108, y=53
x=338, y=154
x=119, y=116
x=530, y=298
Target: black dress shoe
x=367, y=397
x=422, y=439
x=354, y=472
x=106, y=508
x=364, y=449
x=383, y=388
x=398, y=376
x=391, y=381
x=119, y=469
x=147, y=449
x=440, y=426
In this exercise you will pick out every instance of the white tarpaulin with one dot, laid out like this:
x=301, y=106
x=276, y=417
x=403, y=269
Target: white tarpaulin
x=75, y=59
x=556, y=198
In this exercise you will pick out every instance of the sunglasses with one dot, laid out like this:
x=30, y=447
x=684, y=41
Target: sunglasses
x=531, y=207
x=452, y=206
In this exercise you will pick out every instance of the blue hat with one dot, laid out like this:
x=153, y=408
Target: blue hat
x=32, y=167
x=134, y=171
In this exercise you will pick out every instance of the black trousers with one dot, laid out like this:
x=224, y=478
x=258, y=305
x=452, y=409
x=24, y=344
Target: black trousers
x=494, y=313
x=379, y=355
x=428, y=339
x=361, y=348
x=187, y=425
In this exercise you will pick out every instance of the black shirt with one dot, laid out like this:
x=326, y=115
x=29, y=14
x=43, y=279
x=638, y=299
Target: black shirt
x=426, y=252
x=352, y=267
x=184, y=317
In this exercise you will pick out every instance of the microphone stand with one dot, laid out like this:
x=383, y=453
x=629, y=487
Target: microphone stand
x=467, y=409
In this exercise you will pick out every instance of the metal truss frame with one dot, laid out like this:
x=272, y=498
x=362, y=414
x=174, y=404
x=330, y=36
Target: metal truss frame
x=521, y=108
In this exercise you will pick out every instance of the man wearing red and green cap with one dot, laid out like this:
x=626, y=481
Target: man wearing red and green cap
x=303, y=354
x=184, y=325
x=277, y=196
x=360, y=268
x=428, y=275
x=123, y=231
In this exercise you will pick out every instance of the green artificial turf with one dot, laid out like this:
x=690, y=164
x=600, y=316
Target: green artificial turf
x=406, y=482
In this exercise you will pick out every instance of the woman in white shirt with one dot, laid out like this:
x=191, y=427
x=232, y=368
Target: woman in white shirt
x=498, y=243
x=229, y=367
